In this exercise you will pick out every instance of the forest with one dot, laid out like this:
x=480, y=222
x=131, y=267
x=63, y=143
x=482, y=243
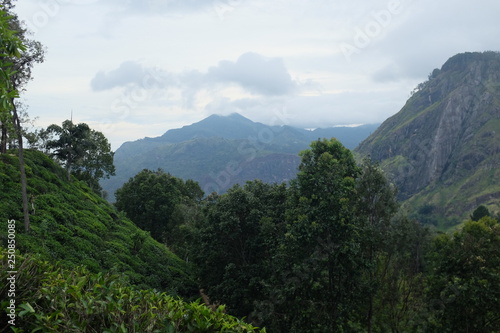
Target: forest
x=331, y=252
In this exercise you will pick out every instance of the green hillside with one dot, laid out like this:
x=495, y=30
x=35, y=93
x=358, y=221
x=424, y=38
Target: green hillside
x=71, y=224
x=84, y=267
x=441, y=149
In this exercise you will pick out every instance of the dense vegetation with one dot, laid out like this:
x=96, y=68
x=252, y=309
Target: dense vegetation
x=332, y=253
x=220, y=151
x=61, y=300
x=329, y=252
x=72, y=224
x=104, y=263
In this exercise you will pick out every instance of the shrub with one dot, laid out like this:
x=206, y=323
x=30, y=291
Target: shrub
x=54, y=299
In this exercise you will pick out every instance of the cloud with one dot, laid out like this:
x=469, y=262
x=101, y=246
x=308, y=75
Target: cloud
x=130, y=73
x=160, y=7
x=255, y=73
x=127, y=73
x=252, y=72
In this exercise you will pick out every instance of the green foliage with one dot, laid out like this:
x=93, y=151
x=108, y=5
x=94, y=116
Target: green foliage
x=464, y=281
x=10, y=46
x=160, y=203
x=322, y=243
x=329, y=253
x=53, y=299
x=326, y=254
x=235, y=243
x=85, y=153
x=479, y=213
x=72, y=224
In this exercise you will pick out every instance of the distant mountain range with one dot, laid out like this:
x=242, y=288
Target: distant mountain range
x=443, y=148
x=220, y=151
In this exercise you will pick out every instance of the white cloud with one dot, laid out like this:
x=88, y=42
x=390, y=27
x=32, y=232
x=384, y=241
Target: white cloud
x=260, y=75
x=127, y=73
x=102, y=53
x=252, y=72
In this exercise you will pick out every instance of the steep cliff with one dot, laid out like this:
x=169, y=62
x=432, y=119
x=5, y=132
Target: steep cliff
x=442, y=149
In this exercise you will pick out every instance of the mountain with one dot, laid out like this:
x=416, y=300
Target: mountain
x=442, y=149
x=220, y=151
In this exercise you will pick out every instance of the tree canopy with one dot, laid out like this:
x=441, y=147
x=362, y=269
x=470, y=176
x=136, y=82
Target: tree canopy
x=84, y=152
x=158, y=202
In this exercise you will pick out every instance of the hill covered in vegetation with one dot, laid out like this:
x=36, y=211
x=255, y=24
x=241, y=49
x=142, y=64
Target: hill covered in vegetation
x=71, y=224
x=220, y=151
x=329, y=252
x=86, y=262
x=442, y=148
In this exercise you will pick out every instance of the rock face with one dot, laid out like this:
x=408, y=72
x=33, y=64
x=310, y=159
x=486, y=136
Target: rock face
x=443, y=147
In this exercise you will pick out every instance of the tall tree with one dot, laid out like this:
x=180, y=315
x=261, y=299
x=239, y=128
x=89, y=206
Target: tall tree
x=85, y=153
x=19, y=57
x=236, y=243
x=376, y=206
x=32, y=52
x=11, y=48
x=322, y=253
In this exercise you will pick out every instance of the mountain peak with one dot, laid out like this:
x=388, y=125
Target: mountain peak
x=446, y=138
x=233, y=126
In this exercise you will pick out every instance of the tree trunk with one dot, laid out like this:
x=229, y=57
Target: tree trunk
x=22, y=169
x=3, y=141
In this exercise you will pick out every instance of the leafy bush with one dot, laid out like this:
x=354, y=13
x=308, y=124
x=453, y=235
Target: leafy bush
x=53, y=299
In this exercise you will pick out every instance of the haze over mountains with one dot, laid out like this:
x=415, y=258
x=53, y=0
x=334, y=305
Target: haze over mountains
x=441, y=150
x=221, y=151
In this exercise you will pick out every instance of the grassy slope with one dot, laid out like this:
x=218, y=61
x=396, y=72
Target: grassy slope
x=73, y=225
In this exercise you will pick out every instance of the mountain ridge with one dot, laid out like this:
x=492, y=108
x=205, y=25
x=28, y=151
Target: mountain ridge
x=442, y=148
x=219, y=148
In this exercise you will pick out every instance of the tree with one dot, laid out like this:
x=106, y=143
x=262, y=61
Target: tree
x=151, y=200
x=397, y=294
x=22, y=64
x=235, y=245
x=18, y=55
x=479, y=213
x=322, y=257
x=376, y=206
x=85, y=153
x=464, y=279
x=11, y=48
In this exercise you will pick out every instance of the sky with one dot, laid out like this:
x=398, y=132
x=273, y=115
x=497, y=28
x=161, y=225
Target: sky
x=137, y=68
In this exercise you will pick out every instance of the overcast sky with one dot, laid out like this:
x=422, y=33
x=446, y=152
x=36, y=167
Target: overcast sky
x=136, y=68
